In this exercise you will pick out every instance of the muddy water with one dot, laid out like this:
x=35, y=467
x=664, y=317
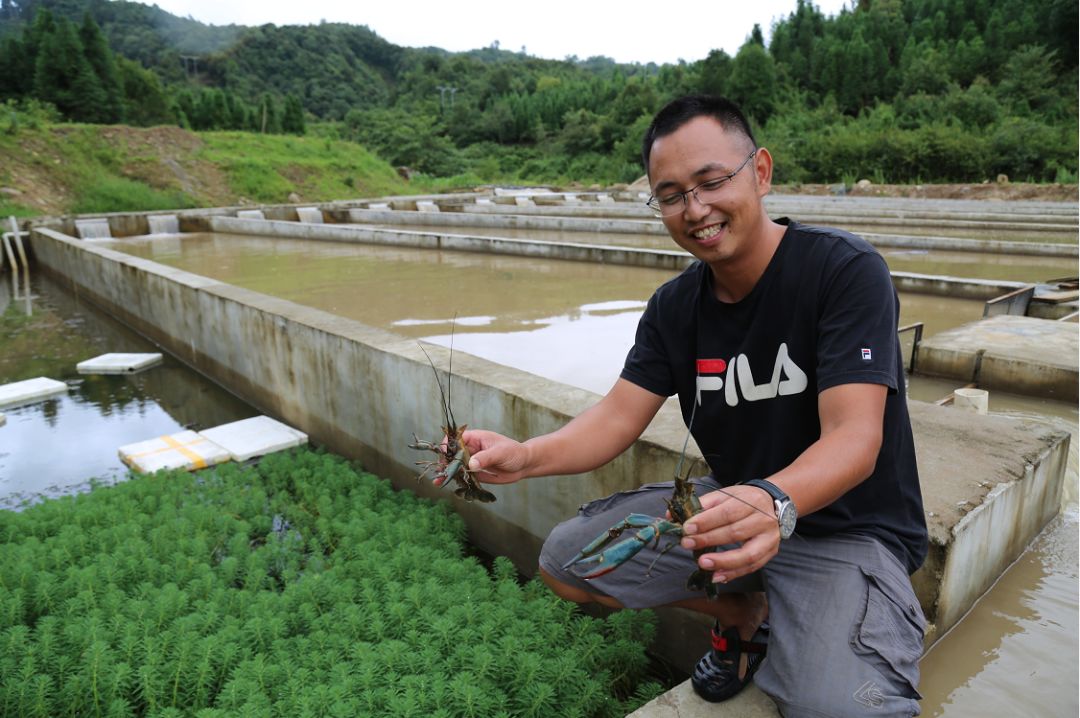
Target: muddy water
x=412, y=291
x=568, y=321
x=52, y=447
x=1063, y=236
x=977, y=265
x=1015, y=654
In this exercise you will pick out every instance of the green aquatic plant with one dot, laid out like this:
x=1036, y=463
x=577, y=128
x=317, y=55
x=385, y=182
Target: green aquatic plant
x=297, y=587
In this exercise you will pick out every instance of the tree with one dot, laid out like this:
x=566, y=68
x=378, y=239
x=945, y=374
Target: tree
x=144, y=99
x=583, y=131
x=64, y=77
x=714, y=72
x=23, y=62
x=923, y=70
x=756, y=37
x=100, y=58
x=10, y=85
x=793, y=41
x=267, y=118
x=856, y=87
x=753, y=83
x=1029, y=79
x=292, y=118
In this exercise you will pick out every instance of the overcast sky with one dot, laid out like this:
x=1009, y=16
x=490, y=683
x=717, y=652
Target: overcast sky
x=628, y=31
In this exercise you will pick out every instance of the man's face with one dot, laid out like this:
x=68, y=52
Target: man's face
x=721, y=232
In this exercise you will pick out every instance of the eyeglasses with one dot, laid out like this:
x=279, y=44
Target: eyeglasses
x=705, y=193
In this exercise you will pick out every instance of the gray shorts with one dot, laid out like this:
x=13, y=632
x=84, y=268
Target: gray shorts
x=846, y=627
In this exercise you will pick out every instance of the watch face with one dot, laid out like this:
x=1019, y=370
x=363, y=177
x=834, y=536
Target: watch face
x=787, y=516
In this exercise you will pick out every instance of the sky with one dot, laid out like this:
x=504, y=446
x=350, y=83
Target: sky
x=626, y=30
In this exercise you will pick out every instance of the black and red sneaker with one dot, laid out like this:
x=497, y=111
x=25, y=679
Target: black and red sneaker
x=716, y=675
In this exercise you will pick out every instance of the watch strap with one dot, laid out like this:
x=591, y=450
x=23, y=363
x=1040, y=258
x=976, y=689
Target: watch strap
x=770, y=488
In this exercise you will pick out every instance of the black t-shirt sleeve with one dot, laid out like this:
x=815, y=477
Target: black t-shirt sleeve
x=857, y=340
x=647, y=363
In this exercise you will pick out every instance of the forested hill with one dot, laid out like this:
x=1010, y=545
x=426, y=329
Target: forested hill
x=890, y=90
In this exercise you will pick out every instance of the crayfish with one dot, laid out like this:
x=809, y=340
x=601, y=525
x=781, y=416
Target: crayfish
x=453, y=461
x=599, y=557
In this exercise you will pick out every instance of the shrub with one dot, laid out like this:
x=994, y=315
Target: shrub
x=297, y=587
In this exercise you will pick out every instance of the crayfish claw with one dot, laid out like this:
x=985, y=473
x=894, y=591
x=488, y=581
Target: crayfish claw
x=609, y=558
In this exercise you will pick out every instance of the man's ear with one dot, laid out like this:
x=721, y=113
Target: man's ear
x=763, y=166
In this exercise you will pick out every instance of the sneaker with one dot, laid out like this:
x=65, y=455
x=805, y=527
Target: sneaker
x=716, y=675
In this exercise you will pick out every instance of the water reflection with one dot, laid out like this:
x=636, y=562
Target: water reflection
x=584, y=348
x=56, y=446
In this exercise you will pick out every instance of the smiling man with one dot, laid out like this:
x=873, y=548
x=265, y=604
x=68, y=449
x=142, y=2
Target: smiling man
x=781, y=344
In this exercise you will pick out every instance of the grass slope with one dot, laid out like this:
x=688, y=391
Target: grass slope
x=58, y=169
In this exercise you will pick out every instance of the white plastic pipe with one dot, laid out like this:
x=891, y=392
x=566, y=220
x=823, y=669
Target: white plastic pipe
x=975, y=401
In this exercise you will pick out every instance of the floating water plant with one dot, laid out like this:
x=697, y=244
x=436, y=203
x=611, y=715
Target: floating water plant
x=299, y=587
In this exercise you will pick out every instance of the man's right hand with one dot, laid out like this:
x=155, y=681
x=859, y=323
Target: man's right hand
x=593, y=438
x=496, y=459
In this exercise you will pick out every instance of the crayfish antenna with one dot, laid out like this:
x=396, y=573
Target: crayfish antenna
x=447, y=414
x=450, y=375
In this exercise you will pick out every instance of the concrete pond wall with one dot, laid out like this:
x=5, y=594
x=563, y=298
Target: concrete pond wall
x=364, y=392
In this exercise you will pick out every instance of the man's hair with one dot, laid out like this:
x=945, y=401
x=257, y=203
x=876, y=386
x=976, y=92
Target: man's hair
x=678, y=112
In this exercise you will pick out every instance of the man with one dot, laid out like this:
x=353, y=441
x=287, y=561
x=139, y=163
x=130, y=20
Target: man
x=781, y=345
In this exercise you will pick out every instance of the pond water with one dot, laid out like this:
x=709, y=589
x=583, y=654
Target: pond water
x=57, y=446
x=572, y=322
x=975, y=265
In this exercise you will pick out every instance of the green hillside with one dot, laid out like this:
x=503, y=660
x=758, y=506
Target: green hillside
x=915, y=91
x=69, y=168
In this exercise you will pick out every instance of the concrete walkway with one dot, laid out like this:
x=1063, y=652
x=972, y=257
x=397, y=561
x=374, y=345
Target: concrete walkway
x=682, y=702
x=1018, y=354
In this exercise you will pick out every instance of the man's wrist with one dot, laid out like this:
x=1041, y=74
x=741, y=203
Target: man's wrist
x=786, y=512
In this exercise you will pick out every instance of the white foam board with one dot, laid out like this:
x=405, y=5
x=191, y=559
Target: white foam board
x=184, y=450
x=28, y=391
x=255, y=437
x=117, y=363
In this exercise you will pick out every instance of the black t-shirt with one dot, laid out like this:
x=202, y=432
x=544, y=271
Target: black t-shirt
x=824, y=313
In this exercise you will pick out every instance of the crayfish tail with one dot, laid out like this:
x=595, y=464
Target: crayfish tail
x=701, y=580
x=474, y=493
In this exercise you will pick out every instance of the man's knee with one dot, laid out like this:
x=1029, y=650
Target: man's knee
x=577, y=595
x=557, y=548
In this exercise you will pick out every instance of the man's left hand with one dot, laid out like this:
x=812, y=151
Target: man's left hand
x=742, y=515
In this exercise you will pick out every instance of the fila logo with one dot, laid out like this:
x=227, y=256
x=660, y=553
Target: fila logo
x=720, y=375
x=866, y=356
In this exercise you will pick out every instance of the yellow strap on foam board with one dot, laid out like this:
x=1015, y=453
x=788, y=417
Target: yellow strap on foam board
x=197, y=461
x=170, y=444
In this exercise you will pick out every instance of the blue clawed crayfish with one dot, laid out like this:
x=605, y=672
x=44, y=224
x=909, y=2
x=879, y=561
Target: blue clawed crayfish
x=453, y=461
x=600, y=556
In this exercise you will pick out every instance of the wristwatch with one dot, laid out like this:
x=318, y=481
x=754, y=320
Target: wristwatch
x=786, y=514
